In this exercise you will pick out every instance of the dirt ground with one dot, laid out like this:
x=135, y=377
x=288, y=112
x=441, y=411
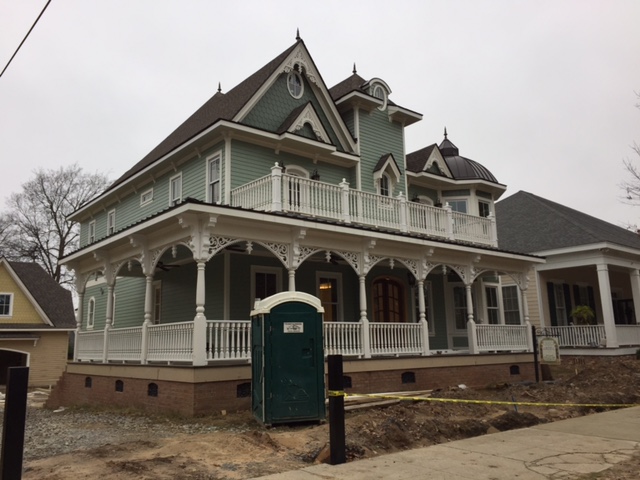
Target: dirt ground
x=239, y=448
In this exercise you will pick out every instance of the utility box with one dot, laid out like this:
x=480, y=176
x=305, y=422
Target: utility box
x=287, y=356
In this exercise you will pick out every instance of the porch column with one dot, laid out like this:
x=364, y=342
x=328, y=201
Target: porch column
x=525, y=305
x=292, y=279
x=423, y=318
x=469, y=303
x=366, y=339
x=607, y=306
x=276, y=188
x=200, y=321
x=79, y=316
x=107, y=325
x=148, y=310
x=635, y=291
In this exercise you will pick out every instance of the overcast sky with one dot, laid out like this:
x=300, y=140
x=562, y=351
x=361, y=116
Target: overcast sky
x=542, y=93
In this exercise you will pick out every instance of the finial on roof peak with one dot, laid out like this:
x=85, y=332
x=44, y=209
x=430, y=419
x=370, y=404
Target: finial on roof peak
x=445, y=133
x=297, y=34
x=354, y=68
x=219, y=88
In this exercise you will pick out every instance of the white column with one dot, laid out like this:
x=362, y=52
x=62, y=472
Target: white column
x=148, y=312
x=346, y=216
x=276, y=188
x=403, y=213
x=607, y=305
x=449, y=213
x=200, y=321
x=635, y=291
x=525, y=304
x=107, y=325
x=469, y=303
x=423, y=319
x=494, y=230
x=366, y=338
x=292, y=279
x=472, y=337
x=79, y=316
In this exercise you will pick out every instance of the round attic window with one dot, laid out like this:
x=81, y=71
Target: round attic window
x=294, y=82
x=380, y=93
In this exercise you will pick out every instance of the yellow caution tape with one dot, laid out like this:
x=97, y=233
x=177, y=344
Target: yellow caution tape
x=338, y=393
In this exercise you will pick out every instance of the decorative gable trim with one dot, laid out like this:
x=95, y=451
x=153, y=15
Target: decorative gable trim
x=437, y=158
x=23, y=288
x=310, y=116
x=301, y=60
x=387, y=164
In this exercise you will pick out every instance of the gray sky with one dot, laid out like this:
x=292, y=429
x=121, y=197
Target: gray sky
x=540, y=92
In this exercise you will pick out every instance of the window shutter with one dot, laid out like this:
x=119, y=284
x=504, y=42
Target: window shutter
x=576, y=293
x=552, y=304
x=567, y=301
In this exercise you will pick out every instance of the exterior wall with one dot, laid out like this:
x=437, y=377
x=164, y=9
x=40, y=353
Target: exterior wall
x=277, y=104
x=47, y=359
x=378, y=136
x=530, y=297
x=23, y=310
x=208, y=390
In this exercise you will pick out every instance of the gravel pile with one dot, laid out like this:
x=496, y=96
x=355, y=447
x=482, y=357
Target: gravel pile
x=50, y=433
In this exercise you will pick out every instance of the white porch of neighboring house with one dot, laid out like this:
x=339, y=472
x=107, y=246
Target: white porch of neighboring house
x=204, y=231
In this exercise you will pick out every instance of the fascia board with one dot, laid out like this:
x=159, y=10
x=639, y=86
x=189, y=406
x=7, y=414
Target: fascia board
x=494, y=187
x=14, y=276
x=359, y=99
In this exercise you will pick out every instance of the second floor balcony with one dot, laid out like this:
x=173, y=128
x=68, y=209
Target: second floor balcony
x=280, y=192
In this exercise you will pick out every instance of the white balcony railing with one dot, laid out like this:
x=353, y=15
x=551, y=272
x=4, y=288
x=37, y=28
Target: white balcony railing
x=125, y=344
x=577, y=335
x=229, y=340
x=288, y=193
x=343, y=338
x=497, y=338
x=170, y=342
x=396, y=338
x=90, y=345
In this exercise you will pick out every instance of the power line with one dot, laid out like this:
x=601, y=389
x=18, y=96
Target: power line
x=23, y=40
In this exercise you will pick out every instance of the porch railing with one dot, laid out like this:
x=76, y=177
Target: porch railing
x=282, y=192
x=628, y=335
x=577, y=335
x=231, y=340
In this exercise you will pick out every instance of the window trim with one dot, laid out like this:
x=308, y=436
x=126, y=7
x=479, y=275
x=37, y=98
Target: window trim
x=385, y=178
x=496, y=288
x=10, y=314
x=488, y=204
x=175, y=200
x=339, y=303
x=91, y=234
x=216, y=156
x=111, y=222
x=458, y=199
x=298, y=75
x=146, y=201
x=518, y=301
x=91, y=313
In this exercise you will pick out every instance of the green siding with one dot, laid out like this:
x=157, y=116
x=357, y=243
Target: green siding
x=129, y=311
x=438, y=341
x=276, y=105
x=379, y=136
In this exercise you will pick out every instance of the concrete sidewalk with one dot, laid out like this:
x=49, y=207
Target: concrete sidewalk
x=555, y=450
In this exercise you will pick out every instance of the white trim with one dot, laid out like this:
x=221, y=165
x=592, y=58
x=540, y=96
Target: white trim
x=339, y=302
x=111, y=222
x=309, y=116
x=297, y=75
x=113, y=308
x=277, y=271
x=227, y=170
x=210, y=159
x=20, y=351
x=91, y=315
x=173, y=201
x=146, y=201
x=10, y=314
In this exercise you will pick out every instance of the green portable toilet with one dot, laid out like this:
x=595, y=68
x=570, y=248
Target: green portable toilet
x=287, y=357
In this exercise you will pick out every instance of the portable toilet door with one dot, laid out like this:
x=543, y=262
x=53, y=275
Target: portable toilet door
x=288, y=376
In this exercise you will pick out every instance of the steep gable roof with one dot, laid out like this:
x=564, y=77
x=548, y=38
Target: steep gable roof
x=54, y=300
x=528, y=223
x=222, y=106
x=417, y=160
x=349, y=84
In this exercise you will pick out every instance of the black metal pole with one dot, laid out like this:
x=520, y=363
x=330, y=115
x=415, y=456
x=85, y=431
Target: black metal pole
x=337, y=441
x=15, y=414
x=536, y=360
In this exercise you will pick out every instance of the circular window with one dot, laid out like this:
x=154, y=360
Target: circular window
x=380, y=92
x=294, y=82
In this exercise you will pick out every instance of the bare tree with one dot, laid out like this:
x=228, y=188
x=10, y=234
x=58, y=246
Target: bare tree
x=631, y=185
x=36, y=224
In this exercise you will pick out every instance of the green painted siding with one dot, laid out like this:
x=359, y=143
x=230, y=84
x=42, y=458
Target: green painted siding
x=274, y=108
x=251, y=162
x=439, y=340
x=379, y=136
x=129, y=311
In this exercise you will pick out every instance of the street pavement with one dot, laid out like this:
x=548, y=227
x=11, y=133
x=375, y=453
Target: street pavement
x=558, y=450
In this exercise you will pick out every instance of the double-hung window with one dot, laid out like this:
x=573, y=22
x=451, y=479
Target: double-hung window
x=111, y=222
x=213, y=179
x=175, y=189
x=91, y=312
x=330, y=293
x=92, y=232
x=493, y=310
x=6, y=304
x=511, y=305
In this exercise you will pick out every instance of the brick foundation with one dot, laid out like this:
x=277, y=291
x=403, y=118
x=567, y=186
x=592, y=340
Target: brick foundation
x=205, y=390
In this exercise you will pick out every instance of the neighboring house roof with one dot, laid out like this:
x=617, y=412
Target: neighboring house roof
x=222, y=106
x=528, y=223
x=54, y=300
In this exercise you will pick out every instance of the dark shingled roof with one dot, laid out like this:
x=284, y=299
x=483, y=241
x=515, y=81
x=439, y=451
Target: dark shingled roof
x=54, y=300
x=348, y=85
x=463, y=168
x=528, y=223
x=417, y=160
x=222, y=106
x=383, y=160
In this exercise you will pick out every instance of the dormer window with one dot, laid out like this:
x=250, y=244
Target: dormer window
x=379, y=90
x=295, y=84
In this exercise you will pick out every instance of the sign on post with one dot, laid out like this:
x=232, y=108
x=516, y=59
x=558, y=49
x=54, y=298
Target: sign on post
x=549, y=350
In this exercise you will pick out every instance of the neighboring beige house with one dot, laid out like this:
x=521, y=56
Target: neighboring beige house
x=36, y=316
x=588, y=262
